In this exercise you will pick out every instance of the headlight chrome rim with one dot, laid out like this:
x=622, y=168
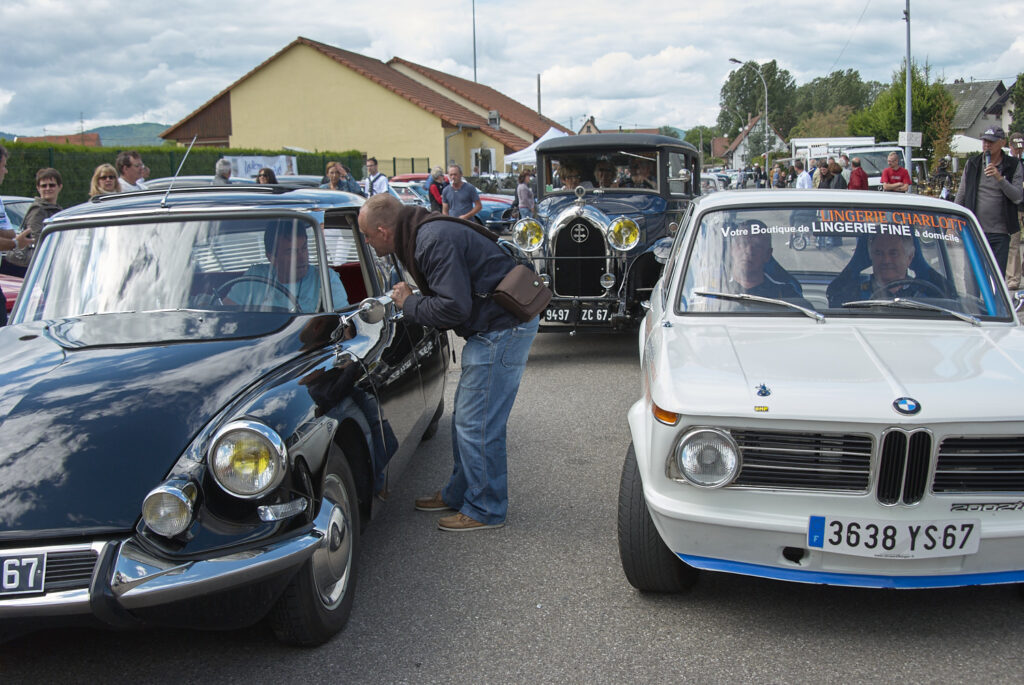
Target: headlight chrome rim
x=685, y=463
x=277, y=462
x=156, y=514
x=623, y=234
x=528, y=234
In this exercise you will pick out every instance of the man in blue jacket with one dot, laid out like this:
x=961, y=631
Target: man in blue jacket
x=456, y=266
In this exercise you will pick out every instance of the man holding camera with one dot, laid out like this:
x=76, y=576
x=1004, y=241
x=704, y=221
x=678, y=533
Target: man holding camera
x=992, y=187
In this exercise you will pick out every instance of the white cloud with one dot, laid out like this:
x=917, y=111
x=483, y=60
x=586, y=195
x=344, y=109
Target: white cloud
x=646, y=62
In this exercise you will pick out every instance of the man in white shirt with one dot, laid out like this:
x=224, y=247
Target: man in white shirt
x=129, y=170
x=803, y=179
x=374, y=183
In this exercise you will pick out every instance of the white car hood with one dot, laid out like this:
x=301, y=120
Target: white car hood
x=837, y=370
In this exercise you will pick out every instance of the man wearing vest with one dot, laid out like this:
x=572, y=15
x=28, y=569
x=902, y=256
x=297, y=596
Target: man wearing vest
x=375, y=183
x=456, y=265
x=991, y=187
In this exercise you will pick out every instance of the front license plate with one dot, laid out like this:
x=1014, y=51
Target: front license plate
x=578, y=312
x=891, y=539
x=21, y=574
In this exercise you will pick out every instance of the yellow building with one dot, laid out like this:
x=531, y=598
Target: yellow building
x=313, y=96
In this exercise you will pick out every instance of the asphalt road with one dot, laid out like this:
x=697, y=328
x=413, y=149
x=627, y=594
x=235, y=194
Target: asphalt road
x=543, y=600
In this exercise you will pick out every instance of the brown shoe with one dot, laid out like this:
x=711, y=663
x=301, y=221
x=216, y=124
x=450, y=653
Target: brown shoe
x=432, y=503
x=459, y=522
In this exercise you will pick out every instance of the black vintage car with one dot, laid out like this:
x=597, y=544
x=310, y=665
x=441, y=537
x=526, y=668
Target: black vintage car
x=604, y=203
x=203, y=397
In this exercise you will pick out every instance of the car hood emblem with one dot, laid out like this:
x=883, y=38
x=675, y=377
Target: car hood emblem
x=579, y=233
x=907, y=405
x=763, y=390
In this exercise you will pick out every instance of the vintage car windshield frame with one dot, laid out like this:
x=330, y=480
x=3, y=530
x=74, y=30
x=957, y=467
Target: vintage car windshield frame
x=313, y=218
x=678, y=272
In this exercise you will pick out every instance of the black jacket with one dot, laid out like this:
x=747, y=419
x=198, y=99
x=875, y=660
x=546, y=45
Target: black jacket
x=972, y=177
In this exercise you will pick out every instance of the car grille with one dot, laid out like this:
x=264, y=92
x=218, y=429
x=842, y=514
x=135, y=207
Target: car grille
x=980, y=465
x=69, y=570
x=903, y=467
x=805, y=461
x=580, y=260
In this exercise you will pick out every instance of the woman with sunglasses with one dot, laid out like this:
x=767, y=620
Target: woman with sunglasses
x=266, y=175
x=48, y=185
x=104, y=181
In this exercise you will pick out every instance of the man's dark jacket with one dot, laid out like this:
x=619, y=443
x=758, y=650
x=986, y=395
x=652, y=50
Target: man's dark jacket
x=972, y=177
x=456, y=266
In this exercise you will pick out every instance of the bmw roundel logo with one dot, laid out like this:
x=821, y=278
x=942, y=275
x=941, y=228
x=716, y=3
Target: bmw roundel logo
x=907, y=405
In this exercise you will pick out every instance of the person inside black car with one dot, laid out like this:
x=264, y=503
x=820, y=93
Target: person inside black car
x=641, y=174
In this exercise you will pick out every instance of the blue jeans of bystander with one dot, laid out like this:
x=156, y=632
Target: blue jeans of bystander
x=492, y=366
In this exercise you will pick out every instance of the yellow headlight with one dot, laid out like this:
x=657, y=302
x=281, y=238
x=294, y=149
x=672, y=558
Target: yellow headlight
x=528, y=234
x=247, y=459
x=167, y=509
x=624, y=234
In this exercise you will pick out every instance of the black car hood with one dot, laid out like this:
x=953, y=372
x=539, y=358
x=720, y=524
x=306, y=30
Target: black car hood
x=92, y=417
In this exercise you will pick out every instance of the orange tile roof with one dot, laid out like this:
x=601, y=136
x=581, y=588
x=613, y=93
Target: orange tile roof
x=450, y=112
x=511, y=110
x=87, y=139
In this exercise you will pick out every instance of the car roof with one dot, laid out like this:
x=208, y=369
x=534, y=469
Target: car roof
x=598, y=140
x=16, y=198
x=225, y=198
x=737, y=199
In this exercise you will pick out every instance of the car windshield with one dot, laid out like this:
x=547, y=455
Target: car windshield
x=840, y=261
x=250, y=265
x=611, y=169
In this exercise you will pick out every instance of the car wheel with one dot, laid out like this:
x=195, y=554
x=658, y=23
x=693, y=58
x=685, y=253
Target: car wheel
x=318, y=601
x=648, y=563
x=432, y=428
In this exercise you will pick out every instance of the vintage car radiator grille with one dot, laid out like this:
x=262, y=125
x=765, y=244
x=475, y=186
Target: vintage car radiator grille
x=69, y=570
x=980, y=465
x=807, y=461
x=579, y=251
x=903, y=467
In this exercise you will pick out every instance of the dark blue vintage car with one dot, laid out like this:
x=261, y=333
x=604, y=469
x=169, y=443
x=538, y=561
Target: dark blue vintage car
x=202, y=399
x=605, y=202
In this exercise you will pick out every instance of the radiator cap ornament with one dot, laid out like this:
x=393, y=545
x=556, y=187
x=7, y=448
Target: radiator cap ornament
x=907, y=405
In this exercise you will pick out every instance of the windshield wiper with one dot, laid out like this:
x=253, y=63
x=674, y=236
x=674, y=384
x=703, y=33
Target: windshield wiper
x=907, y=303
x=744, y=297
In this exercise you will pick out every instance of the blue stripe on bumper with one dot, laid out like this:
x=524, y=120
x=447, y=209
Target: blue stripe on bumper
x=853, y=579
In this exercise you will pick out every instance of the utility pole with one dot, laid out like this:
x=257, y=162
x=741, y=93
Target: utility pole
x=907, y=122
x=474, y=40
x=538, y=93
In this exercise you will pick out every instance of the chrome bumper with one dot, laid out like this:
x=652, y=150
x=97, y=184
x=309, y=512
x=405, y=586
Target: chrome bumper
x=131, y=578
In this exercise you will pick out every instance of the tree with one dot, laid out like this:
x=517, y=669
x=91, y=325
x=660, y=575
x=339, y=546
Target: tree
x=742, y=95
x=929, y=103
x=1017, y=98
x=702, y=135
x=834, y=123
x=669, y=131
x=840, y=88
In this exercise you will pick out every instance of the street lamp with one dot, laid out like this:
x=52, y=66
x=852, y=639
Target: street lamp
x=766, y=143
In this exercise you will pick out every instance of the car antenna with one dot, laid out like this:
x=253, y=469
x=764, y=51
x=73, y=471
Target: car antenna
x=163, y=202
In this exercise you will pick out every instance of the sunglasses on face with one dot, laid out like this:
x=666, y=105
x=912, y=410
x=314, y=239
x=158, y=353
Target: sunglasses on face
x=108, y=178
x=47, y=185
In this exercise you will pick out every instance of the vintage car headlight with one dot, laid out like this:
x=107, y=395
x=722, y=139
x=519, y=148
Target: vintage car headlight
x=708, y=458
x=247, y=459
x=528, y=234
x=167, y=509
x=623, y=234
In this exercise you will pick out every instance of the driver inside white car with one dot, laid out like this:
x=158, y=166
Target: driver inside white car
x=891, y=276
x=287, y=281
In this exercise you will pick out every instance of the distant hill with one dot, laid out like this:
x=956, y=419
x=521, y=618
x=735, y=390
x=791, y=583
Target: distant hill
x=124, y=136
x=130, y=135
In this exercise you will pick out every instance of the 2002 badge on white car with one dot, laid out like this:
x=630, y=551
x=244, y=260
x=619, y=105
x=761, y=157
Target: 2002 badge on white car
x=828, y=385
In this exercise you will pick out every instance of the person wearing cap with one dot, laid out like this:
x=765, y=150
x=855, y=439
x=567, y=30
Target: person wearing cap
x=992, y=186
x=1013, y=262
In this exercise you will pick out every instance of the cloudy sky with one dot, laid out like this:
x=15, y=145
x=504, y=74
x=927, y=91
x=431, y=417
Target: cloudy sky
x=635, y=63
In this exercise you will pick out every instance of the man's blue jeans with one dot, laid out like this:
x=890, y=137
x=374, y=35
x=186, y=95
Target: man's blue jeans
x=492, y=366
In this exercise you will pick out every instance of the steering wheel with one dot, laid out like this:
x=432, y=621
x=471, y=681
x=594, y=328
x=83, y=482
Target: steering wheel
x=224, y=288
x=883, y=291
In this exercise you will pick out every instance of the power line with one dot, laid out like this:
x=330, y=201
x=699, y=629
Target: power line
x=849, y=37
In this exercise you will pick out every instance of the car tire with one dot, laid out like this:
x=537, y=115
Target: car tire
x=648, y=563
x=317, y=603
x=432, y=428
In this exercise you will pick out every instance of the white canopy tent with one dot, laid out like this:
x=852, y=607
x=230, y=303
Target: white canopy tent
x=964, y=145
x=528, y=155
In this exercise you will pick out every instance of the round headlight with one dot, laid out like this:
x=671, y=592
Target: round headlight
x=708, y=458
x=167, y=509
x=247, y=459
x=528, y=234
x=623, y=234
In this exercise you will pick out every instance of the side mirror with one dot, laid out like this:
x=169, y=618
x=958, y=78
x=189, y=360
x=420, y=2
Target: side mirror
x=1018, y=300
x=371, y=311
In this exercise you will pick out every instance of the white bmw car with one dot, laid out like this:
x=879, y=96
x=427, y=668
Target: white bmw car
x=831, y=394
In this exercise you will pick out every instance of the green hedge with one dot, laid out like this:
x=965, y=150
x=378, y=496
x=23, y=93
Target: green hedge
x=76, y=164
